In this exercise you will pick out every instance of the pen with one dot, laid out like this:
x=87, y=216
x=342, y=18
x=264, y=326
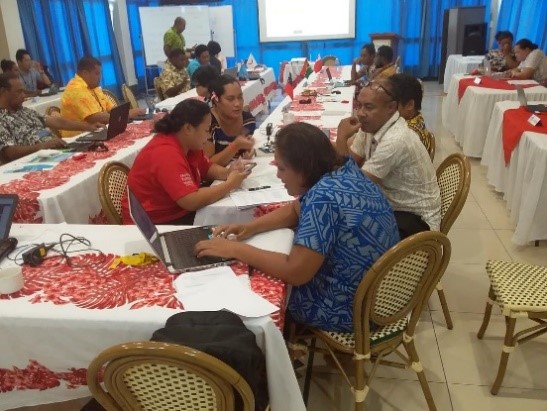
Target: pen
x=258, y=188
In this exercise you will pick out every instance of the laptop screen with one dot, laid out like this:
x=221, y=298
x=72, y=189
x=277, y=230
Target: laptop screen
x=521, y=96
x=144, y=223
x=8, y=203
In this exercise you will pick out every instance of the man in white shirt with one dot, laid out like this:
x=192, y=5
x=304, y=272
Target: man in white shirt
x=393, y=156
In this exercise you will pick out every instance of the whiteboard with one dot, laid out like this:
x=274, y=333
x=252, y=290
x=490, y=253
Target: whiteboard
x=155, y=21
x=222, y=27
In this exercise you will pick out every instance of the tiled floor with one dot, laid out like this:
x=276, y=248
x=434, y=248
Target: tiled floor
x=459, y=367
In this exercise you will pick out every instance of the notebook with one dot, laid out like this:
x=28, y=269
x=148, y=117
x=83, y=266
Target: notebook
x=529, y=107
x=175, y=248
x=117, y=124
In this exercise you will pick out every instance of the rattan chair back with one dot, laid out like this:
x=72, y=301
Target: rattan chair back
x=329, y=61
x=112, y=187
x=112, y=97
x=54, y=111
x=454, y=179
x=157, y=376
x=129, y=96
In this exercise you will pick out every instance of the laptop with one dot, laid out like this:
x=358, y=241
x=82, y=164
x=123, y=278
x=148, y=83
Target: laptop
x=176, y=248
x=8, y=204
x=232, y=71
x=542, y=108
x=53, y=89
x=117, y=124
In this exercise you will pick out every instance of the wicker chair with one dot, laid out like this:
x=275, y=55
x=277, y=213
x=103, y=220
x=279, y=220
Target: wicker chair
x=129, y=96
x=428, y=141
x=454, y=178
x=54, y=111
x=112, y=186
x=161, y=376
x=112, y=97
x=161, y=97
x=329, y=61
x=392, y=295
x=519, y=290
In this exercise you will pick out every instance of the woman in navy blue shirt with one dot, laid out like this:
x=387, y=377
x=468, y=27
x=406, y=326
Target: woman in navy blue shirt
x=231, y=127
x=343, y=224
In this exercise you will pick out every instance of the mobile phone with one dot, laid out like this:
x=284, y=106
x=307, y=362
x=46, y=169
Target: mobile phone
x=249, y=166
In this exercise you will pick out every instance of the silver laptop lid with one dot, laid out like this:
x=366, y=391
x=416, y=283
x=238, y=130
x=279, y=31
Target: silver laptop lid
x=144, y=223
x=521, y=96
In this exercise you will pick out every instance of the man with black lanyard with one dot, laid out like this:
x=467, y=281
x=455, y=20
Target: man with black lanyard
x=30, y=73
x=393, y=156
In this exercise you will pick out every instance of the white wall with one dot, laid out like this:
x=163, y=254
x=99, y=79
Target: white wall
x=123, y=40
x=11, y=31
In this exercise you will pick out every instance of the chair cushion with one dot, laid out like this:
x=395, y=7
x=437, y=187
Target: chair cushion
x=379, y=335
x=518, y=287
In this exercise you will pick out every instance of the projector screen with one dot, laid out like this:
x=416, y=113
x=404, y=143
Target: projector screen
x=297, y=20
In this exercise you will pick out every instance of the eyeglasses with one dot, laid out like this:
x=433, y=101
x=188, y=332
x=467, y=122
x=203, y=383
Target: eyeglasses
x=377, y=86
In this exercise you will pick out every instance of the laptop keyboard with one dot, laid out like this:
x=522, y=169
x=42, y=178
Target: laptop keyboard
x=181, y=247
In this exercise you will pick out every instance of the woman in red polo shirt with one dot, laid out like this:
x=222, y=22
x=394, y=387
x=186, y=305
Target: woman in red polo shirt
x=167, y=173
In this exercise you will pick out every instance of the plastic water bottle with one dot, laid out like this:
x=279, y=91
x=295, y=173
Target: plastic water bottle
x=487, y=67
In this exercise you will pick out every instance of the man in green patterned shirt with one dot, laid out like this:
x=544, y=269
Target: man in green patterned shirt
x=174, y=78
x=173, y=38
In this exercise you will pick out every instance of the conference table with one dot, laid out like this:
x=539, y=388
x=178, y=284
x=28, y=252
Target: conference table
x=325, y=112
x=523, y=180
x=42, y=103
x=468, y=119
x=57, y=187
x=458, y=64
x=256, y=94
x=66, y=315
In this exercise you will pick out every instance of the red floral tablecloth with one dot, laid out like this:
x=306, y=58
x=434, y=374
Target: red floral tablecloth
x=31, y=184
x=515, y=122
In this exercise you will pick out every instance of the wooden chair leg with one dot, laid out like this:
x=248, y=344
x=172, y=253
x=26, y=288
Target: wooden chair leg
x=508, y=346
x=444, y=306
x=487, y=313
x=416, y=365
x=361, y=383
x=309, y=370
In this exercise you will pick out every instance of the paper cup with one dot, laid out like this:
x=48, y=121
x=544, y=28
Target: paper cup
x=11, y=280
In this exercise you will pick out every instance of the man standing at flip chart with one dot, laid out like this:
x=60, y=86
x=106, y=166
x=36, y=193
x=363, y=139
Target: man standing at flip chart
x=173, y=38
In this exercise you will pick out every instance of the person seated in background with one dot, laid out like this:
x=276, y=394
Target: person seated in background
x=168, y=171
x=410, y=104
x=383, y=63
x=203, y=77
x=30, y=73
x=532, y=62
x=232, y=127
x=393, y=156
x=174, y=78
x=366, y=61
x=201, y=58
x=83, y=98
x=22, y=130
x=9, y=66
x=340, y=213
x=214, y=50
x=503, y=58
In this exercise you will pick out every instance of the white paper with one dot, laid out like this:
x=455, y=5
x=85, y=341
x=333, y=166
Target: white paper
x=522, y=82
x=246, y=199
x=220, y=289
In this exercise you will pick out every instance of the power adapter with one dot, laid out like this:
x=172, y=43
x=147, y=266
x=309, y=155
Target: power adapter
x=35, y=255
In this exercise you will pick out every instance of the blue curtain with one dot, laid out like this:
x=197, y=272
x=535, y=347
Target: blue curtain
x=60, y=32
x=525, y=19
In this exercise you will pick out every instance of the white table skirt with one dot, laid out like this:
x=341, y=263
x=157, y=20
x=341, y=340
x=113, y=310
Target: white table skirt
x=77, y=200
x=66, y=337
x=458, y=64
x=468, y=120
x=523, y=181
x=251, y=90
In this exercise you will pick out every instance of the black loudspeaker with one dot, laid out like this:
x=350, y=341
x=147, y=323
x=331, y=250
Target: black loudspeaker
x=474, y=40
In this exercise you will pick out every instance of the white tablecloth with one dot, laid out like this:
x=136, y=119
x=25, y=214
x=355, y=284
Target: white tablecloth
x=53, y=342
x=256, y=93
x=77, y=200
x=458, y=64
x=293, y=67
x=523, y=181
x=224, y=211
x=41, y=104
x=468, y=120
